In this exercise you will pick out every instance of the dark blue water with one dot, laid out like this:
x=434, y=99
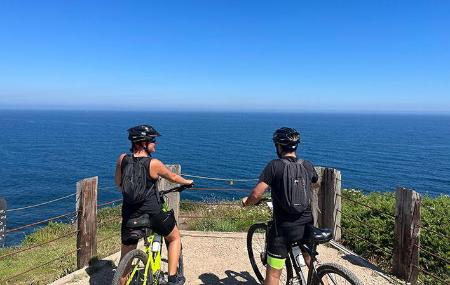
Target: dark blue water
x=44, y=154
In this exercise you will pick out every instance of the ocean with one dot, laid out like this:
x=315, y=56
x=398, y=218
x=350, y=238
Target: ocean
x=44, y=153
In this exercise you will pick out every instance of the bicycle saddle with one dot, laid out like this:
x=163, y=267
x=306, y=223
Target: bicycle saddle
x=139, y=222
x=317, y=235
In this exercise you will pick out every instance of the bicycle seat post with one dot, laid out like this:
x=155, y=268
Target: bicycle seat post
x=147, y=232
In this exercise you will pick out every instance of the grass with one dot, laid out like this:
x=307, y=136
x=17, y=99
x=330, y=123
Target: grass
x=108, y=242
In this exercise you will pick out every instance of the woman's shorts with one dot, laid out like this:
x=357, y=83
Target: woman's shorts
x=162, y=223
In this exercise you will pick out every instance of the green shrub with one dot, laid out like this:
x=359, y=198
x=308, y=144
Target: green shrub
x=369, y=231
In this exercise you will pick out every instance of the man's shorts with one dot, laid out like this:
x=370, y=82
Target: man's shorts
x=279, y=243
x=162, y=223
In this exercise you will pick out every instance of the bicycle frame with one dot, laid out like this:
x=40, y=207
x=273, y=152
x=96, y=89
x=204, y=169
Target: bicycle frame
x=311, y=270
x=154, y=258
x=312, y=252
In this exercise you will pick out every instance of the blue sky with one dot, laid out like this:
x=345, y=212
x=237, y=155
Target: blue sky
x=345, y=56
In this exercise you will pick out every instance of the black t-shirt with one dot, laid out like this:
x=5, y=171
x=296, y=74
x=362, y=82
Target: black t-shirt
x=273, y=176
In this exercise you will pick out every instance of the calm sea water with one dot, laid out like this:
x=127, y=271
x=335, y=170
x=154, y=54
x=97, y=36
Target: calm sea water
x=43, y=154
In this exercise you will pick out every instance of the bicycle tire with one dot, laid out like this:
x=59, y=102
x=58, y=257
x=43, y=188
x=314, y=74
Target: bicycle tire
x=254, y=261
x=127, y=259
x=333, y=268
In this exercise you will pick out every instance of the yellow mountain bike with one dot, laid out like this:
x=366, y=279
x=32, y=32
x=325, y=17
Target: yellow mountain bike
x=145, y=266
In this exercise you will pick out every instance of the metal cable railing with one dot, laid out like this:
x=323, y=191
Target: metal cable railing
x=38, y=245
x=40, y=204
x=387, y=251
x=431, y=274
x=39, y=222
x=5, y=281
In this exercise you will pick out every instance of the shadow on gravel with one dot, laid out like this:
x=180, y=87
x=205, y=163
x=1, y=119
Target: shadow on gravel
x=359, y=261
x=232, y=278
x=100, y=272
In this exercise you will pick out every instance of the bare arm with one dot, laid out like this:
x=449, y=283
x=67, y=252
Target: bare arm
x=256, y=194
x=118, y=172
x=157, y=169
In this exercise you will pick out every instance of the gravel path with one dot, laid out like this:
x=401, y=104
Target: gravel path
x=213, y=258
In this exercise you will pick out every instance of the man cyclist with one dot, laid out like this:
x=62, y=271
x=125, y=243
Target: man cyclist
x=143, y=143
x=286, y=227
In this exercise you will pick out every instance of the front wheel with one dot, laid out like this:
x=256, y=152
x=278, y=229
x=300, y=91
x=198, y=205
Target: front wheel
x=331, y=273
x=133, y=265
x=256, y=248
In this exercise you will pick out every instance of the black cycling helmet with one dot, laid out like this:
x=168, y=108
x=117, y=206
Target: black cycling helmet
x=142, y=133
x=288, y=138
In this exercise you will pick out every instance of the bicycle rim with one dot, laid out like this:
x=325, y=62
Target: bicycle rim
x=256, y=248
x=133, y=266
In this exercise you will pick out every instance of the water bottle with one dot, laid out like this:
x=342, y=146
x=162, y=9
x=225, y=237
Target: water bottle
x=156, y=245
x=298, y=256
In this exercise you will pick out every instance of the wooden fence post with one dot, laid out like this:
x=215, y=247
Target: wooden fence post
x=87, y=220
x=326, y=205
x=316, y=212
x=406, y=235
x=2, y=221
x=174, y=198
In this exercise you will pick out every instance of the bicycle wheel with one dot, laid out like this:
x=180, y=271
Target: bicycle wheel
x=331, y=274
x=256, y=248
x=133, y=263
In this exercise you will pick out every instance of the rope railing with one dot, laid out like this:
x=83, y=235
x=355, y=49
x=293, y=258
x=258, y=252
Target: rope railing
x=37, y=245
x=40, y=204
x=39, y=222
x=4, y=281
x=109, y=203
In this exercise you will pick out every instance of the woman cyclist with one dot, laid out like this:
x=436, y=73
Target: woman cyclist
x=143, y=144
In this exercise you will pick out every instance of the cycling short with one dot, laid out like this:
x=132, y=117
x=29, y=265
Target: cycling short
x=279, y=242
x=162, y=223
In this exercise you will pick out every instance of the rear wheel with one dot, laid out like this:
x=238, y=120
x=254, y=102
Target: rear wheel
x=331, y=274
x=256, y=248
x=133, y=264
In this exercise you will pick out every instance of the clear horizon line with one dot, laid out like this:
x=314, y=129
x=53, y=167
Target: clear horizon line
x=163, y=110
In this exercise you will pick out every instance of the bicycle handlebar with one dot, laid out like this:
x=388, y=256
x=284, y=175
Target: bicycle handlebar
x=176, y=189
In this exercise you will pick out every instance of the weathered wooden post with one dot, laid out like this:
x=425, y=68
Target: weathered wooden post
x=326, y=200
x=174, y=198
x=2, y=221
x=87, y=220
x=406, y=235
x=316, y=212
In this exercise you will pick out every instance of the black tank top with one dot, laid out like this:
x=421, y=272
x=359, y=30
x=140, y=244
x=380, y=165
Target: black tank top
x=152, y=203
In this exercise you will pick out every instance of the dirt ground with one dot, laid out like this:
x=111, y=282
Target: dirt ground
x=213, y=258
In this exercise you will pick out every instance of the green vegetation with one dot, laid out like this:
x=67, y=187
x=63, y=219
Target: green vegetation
x=367, y=231
x=231, y=217
x=63, y=250
x=370, y=231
